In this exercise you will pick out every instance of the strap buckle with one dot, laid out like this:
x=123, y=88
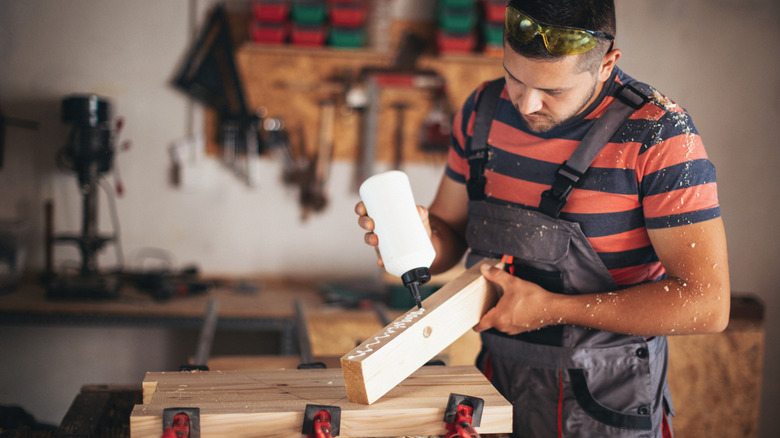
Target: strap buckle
x=476, y=182
x=554, y=199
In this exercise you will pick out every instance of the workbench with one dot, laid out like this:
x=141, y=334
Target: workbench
x=268, y=308
x=725, y=368
x=273, y=403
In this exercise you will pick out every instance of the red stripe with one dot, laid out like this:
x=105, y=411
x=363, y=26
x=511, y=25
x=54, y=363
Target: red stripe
x=515, y=141
x=507, y=260
x=593, y=202
x=560, y=403
x=626, y=241
x=512, y=189
x=695, y=198
x=672, y=151
x=637, y=274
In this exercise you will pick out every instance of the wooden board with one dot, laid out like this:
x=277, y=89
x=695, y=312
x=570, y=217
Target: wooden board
x=271, y=403
x=389, y=356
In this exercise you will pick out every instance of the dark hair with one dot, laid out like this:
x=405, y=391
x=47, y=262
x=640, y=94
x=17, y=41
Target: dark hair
x=598, y=15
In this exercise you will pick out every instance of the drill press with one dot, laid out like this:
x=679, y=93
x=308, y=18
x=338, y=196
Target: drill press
x=89, y=153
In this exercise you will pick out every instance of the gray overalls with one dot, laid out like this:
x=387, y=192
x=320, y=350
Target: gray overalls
x=563, y=380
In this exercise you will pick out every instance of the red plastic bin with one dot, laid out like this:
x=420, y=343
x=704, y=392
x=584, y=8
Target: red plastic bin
x=271, y=11
x=495, y=12
x=269, y=33
x=308, y=35
x=348, y=14
x=456, y=43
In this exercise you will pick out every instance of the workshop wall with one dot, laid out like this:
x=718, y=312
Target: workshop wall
x=129, y=51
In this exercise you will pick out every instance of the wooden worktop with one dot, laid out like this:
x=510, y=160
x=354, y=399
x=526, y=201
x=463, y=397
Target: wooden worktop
x=272, y=298
x=272, y=403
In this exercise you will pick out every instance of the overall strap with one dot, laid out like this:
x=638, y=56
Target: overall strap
x=477, y=153
x=569, y=174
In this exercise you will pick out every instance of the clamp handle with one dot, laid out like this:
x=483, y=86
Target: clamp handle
x=320, y=421
x=462, y=415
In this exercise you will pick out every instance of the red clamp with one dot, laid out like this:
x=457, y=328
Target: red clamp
x=181, y=423
x=462, y=415
x=321, y=421
x=322, y=425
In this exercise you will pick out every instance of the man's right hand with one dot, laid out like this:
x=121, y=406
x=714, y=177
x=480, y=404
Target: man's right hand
x=366, y=223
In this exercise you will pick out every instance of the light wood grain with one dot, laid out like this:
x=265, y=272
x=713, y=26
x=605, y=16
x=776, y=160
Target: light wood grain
x=272, y=402
x=389, y=356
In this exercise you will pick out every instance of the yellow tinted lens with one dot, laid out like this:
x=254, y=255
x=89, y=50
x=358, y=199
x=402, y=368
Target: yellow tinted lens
x=562, y=41
x=520, y=26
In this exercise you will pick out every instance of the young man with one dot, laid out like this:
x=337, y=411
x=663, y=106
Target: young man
x=631, y=250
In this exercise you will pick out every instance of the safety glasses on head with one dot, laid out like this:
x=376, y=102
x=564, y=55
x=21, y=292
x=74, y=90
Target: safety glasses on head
x=559, y=40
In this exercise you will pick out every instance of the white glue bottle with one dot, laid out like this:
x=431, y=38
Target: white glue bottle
x=404, y=245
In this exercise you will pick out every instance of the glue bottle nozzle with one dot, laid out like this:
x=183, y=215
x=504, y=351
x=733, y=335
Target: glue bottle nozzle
x=413, y=279
x=414, y=288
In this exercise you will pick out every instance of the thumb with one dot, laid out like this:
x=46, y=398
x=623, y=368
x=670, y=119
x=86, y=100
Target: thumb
x=494, y=274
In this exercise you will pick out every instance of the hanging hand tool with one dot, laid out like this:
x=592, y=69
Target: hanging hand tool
x=313, y=191
x=402, y=73
x=278, y=142
x=398, y=153
x=437, y=126
x=365, y=167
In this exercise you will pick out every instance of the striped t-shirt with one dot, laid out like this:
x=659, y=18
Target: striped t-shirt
x=653, y=174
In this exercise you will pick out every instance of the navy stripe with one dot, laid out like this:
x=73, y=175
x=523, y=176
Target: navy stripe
x=670, y=125
x=677, y=220
x=457, y=146
x=610, y=180
x=467, y=112
x=514, y=204
x=680, y=176
x=592, y=225
x=520, y=167
x=454, y=175
x=600, y=179
x=676, y=123
x=607, y=224
x=628, y=259
x=653, y=132
x=633, y=130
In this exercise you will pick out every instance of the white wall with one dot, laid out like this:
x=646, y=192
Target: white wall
x=717, y=58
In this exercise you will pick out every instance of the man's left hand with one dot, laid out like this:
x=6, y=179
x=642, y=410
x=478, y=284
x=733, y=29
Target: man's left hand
x=523, y=306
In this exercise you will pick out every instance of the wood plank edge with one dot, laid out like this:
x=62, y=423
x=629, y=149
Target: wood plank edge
x=352, y=368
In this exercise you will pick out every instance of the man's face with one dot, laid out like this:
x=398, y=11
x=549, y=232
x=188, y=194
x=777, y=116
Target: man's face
x=547, y=93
